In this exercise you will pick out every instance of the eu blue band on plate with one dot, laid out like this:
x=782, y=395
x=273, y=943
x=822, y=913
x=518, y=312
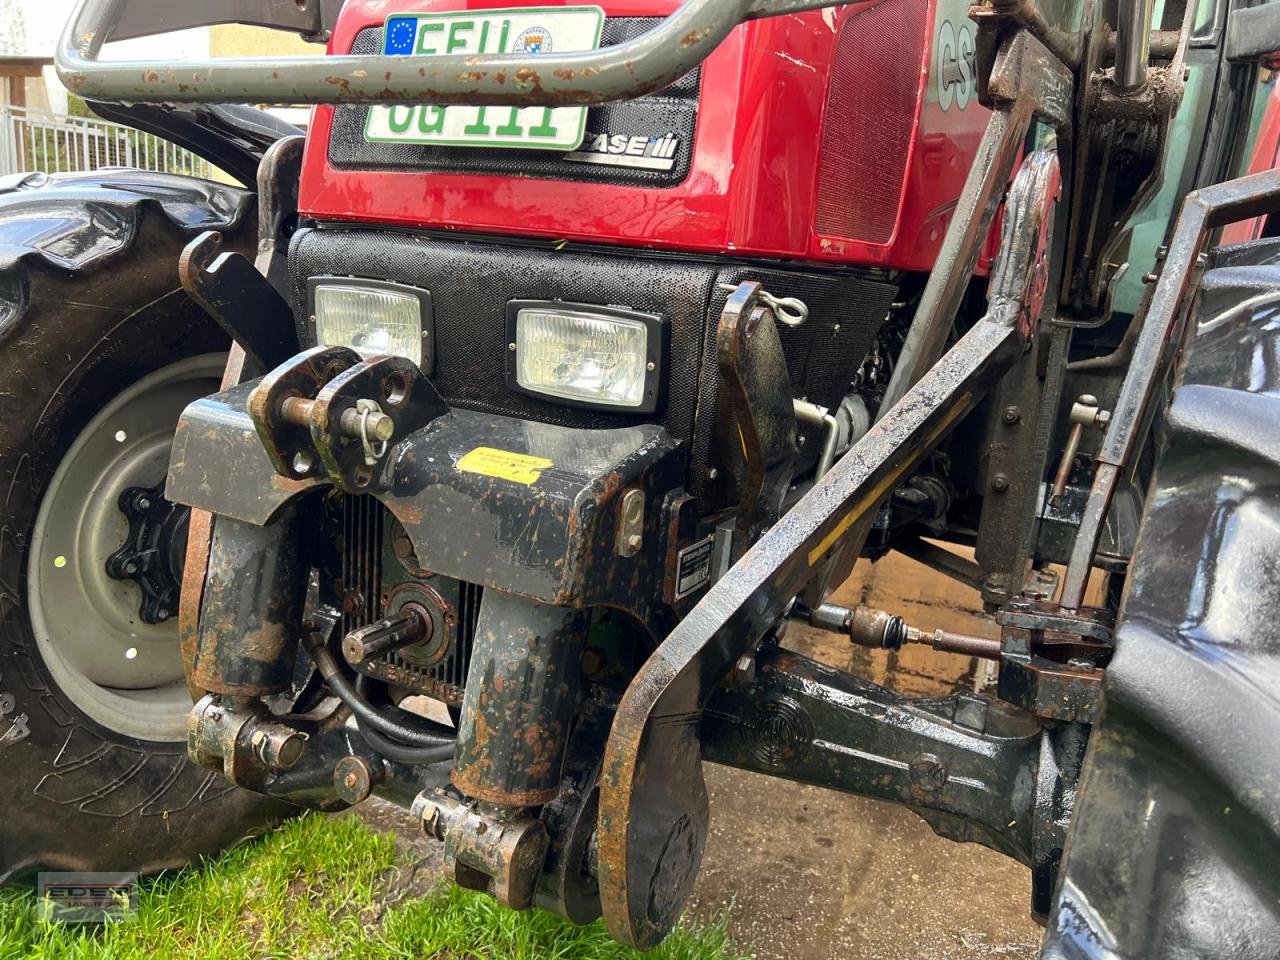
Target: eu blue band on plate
x=401, y=34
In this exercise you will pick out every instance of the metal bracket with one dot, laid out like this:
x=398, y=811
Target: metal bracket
x=328, y=413
x=653, y=809
x=759, y=439
x=387, y=395
x=242, y=301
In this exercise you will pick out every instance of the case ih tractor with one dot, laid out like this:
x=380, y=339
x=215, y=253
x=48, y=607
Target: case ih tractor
x=573, y=353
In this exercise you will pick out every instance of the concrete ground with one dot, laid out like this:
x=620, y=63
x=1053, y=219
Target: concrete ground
x=809, y=874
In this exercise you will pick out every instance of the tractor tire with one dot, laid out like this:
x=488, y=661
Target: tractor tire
x=99, y=352
x=1174, y=849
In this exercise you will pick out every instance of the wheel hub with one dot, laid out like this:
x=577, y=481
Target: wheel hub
x=153, y=551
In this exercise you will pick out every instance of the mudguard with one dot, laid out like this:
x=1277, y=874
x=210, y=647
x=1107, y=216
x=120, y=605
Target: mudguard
x=78, y=223
x=1175, y=847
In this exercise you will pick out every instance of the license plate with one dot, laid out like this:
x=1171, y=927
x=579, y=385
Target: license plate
x=526, y=30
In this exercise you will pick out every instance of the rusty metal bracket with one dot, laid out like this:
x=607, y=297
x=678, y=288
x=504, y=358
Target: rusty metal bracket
x=234, y=293
x=327, y=413
x=278, y=175
x=1203, y=211
x=342, y=417
x=653, y=811
x=281, y=421
x=760, y=438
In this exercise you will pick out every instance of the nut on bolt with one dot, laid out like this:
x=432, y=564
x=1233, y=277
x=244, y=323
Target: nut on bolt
x=928, y=773
x=353, y=779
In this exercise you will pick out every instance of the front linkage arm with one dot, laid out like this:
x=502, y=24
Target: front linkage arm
x=653, y=801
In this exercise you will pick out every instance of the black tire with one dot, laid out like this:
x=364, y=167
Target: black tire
x=1174, y=849
x=89, y=304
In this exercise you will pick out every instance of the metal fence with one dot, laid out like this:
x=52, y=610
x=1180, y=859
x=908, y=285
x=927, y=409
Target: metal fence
x=35, y=141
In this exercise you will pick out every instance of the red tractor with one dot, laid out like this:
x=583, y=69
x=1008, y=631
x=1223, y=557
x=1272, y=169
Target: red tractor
x=576, y=350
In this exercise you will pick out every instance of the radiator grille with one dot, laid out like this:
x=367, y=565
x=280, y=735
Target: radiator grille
x=364, y=529
x=867, y=129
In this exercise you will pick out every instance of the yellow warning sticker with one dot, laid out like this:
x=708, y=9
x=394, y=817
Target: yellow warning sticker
x=505, y=465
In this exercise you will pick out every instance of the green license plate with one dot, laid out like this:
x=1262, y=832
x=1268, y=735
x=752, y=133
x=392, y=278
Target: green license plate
x=526, y=30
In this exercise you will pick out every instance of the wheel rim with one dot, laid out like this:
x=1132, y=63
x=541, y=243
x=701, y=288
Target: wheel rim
x=122, y=672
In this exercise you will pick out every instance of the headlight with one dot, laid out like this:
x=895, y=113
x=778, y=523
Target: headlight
x=373, y=318
x=585, y=355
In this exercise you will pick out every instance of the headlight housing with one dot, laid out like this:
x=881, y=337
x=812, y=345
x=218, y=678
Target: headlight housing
x=373, y=318
x=586, y=355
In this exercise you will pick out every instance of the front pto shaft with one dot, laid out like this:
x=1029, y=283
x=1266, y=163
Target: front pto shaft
x=413, y=625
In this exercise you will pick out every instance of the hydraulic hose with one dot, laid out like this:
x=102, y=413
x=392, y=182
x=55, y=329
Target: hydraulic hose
x=395, y=750
x=424, y=733
x=403, y=753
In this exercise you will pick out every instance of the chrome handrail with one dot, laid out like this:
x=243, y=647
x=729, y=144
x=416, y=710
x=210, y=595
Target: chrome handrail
x=637, y=67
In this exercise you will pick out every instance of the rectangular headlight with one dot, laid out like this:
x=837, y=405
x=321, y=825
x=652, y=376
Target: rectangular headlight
x=585, y=355
x=373, y=318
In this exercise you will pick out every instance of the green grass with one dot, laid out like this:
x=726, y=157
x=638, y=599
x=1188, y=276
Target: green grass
x=323, y=887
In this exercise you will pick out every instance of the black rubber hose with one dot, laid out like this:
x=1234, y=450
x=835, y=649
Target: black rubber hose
x=402, y=753
x=424, y=734
x=392, y=749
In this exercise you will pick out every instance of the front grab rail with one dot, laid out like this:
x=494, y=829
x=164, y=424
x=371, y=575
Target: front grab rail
x=635, y=68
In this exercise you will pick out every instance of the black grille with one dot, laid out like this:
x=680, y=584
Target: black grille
x=471, y=282
x=672, y=111
x=362, y=531
x=364, y=527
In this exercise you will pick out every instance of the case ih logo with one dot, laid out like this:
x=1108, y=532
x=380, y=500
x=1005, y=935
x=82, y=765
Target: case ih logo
x=957, y=71
x=620, y=150
x=87, y=897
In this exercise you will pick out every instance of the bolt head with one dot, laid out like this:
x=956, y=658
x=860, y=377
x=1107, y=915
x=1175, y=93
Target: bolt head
x=1012, y=415
x=353, y=779
x=999, y=483
x=144, y=503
